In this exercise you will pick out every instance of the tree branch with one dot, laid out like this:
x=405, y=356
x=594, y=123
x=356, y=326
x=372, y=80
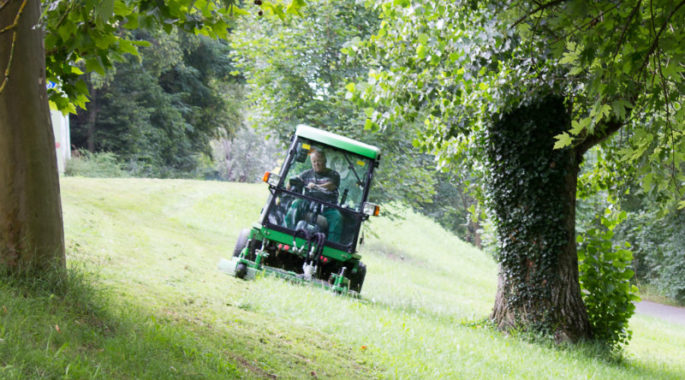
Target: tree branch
x=536, y=10
x=593, y=21
x=625, y=27
x=655, y=43
x=611, y=127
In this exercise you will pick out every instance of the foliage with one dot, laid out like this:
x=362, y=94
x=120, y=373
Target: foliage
x=459, y=66
x=296, y=74
x=159, y=112
x=654, y=231
x=105, y=23
x=454, y=64
x=605, y=279
x=659, y=246
x=453, y=206
x=86, y=164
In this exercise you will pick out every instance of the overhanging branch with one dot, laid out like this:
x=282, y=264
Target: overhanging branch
x=541, y=7
x=602, y=134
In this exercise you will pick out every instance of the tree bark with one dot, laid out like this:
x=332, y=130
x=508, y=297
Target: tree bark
x=533, y=196
x=31, y=231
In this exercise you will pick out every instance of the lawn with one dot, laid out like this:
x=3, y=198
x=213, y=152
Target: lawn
x=145, y=300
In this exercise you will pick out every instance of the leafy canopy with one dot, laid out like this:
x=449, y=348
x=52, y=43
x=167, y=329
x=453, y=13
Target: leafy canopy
x=93, y=34
x=455, y=65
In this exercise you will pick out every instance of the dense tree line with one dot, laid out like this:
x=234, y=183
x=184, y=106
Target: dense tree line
x=159, y=111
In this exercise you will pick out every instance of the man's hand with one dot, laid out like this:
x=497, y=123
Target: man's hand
x=328, y=186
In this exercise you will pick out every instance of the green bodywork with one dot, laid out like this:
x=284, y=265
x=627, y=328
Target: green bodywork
x=260, y=232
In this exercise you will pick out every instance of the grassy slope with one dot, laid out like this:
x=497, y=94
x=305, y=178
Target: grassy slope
x=159, y=307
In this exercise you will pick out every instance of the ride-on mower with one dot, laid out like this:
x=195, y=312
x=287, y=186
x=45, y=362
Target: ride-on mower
x=309, y=229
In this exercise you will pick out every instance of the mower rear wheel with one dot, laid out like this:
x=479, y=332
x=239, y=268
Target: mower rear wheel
x=242, y=242
x=357, y=279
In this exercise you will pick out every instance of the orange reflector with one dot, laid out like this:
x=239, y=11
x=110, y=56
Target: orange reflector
x=266, y=176
x=376, y=210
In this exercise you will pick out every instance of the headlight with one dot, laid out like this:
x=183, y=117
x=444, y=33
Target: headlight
x=371, y=209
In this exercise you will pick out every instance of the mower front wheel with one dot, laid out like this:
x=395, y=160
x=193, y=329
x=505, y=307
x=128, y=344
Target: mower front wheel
x=241, y=270
x=357, y=279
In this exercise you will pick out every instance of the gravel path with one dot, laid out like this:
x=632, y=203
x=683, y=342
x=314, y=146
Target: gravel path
x=669, y=313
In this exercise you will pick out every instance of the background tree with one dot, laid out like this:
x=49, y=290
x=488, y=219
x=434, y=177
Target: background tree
x=524, y=90
x=159, y=111
x=296, y=74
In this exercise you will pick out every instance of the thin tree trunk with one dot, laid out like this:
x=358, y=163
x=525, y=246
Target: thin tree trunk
x=31, y=232
x=92, y=112
x=534, y=195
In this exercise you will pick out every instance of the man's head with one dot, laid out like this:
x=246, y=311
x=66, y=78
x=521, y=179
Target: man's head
x=318, y=159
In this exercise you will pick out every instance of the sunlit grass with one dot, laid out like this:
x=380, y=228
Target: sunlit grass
x=155, y=244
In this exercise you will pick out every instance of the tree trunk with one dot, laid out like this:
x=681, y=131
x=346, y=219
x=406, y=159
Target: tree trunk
x=31, y=232
x=92, y=112
x=533, y=196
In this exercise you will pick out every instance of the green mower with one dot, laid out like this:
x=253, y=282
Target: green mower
x=309, y=229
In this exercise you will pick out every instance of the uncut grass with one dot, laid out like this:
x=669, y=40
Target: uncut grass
x=155, y=245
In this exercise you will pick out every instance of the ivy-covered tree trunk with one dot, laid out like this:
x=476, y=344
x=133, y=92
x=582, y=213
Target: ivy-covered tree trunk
x=532, y=194
x=31, y=233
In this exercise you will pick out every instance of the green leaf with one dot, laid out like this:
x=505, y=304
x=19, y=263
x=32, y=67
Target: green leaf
x=421, y=51
x=127, y=46
x=563, y=140
x=121, y=9
x=294, y=7
x=95, y=64
x=104, y=10
x=132, y=22
x=619, y=108
x=423, y=39
x=454, y=56
x=576, y=128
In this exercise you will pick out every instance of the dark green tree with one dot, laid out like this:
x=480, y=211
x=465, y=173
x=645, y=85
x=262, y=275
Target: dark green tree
x=522, y=90
x=159, y=111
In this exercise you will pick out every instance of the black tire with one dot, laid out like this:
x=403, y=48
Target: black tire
x=241, y=270
x=242, y=242
x=357, y=279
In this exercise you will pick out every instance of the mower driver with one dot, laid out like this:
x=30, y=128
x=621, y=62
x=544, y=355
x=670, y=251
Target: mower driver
x=322, y=183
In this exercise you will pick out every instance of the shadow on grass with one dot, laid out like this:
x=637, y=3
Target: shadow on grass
x=64, y=326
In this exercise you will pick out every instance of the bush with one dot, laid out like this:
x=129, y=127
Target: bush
x=87, y=164
x=605, y=277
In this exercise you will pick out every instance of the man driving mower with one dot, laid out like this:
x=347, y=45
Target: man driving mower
x=321, y=183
